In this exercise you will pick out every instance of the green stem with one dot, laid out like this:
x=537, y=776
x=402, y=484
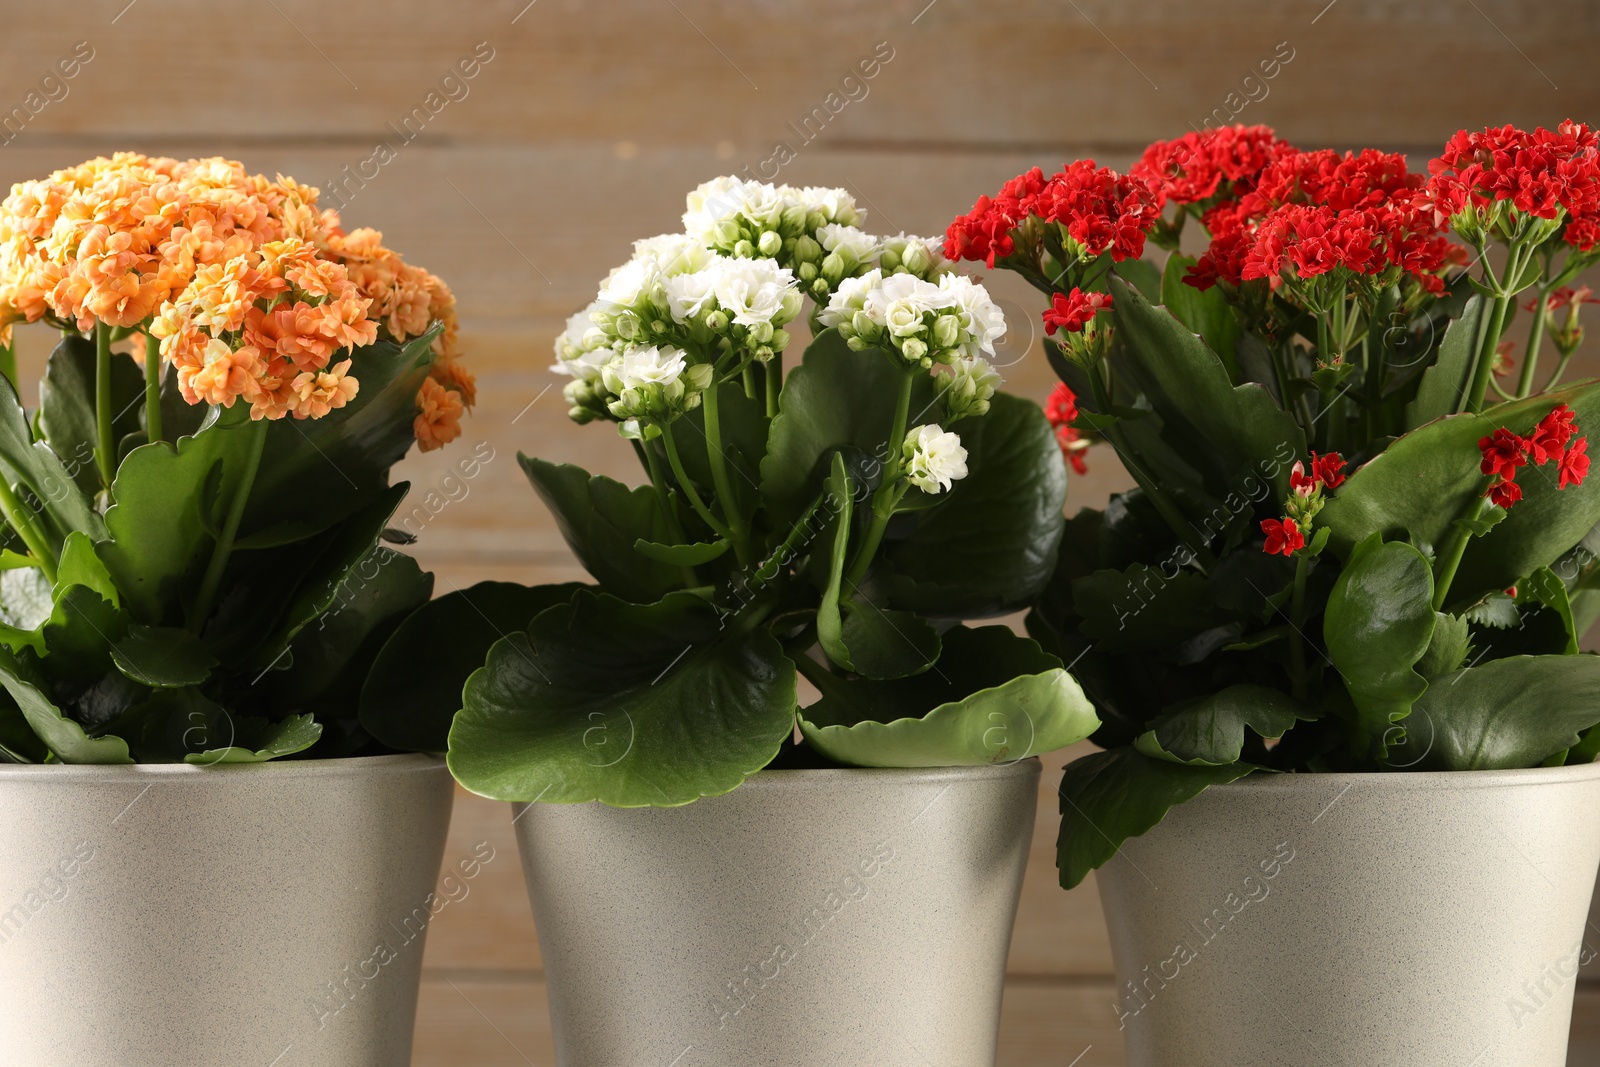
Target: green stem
x=105, y=453
x=1561, y=368
x=257, y=429
x=669, y=514
x=774, y=376
x=21, y=519
x=719, y=477
x=689, y=491
x=1444, y=569
x=1530, y=358
x=772, y=564
x=1483, y=369
x=8, y=363
x=748, y=377
x=152, y=388
x=1297, y=619
x=887, y=496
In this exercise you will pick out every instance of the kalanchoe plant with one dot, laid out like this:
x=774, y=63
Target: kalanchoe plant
x=185, y=572
x=1351, y=547
x=836, y=523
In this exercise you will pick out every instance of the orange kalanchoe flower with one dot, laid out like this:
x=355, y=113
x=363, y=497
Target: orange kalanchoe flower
x=250, y=289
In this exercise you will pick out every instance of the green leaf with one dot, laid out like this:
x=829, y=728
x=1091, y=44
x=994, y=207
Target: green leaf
x=836, y=399
x=993, y=698
x=179, y=418
x=602, y=520
x=1206, y=313
x=1425, y=480
x=990, y=547
x=1447, y=381
x=413, y=690
x=163, y=657
x=35, y=467
x=26, y=598
x=67, y=420
x=1507, y=713
x=1228, y=430
x=1550, y=591
x=1109, y=797
x=264, y=742
x=830, y=616
x=1143, y=274
x=65, y=738
x=887, y=644
x=632, y=705
x=1448, y=647
x=1378, y=624
x=1142, y=609
x=1210, y=731
x=682, y=555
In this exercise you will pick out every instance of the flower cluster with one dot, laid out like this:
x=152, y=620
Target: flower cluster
x=1200, y=165
x=1551, y=442
x=1546, y=174
x=1307, y=489
x=933, y=458
x=952, y=322
x=250, y=290
x=1070, y=318
x=1075, y=215
x=1061, y=410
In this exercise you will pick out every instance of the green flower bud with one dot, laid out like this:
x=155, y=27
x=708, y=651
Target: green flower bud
x=806, y=249
x=794, y=219
x=779, y=340
x=914, y=348
x=833, y=268
x=726, y=233
x=769, y=243
x=916, y=258
x=717, y=320
x=744, y=250
x=807, y=272
x=820, y=290
x=946, y=330
x=699, y=376
x=764, y=353
x=790, y=307
x=861, y=323
x=888, y=261
x=858, y=344
x=761, y=332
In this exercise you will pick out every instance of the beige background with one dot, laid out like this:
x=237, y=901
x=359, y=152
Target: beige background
x=583, y=132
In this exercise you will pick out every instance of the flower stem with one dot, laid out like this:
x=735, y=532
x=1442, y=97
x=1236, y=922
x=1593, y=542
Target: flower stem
x=105, y=453
x=669, y=514
x=1530, y=358
x=689, y=492
x=152, y=387
x=1483, y=370
x=719, y=477
x=20, y=516
x=1444, y=568
x=774, y=376
x=8, y=362
x=887, y=496
x=1297, y=619
x=257, y=429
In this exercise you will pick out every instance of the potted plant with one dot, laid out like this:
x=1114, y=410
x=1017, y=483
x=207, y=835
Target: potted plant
x=1332, y=634
x=206, y=859
x=842, y=898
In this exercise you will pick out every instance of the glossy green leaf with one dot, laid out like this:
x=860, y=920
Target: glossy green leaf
x=1206, y=312
x=1551, y=591
x=1142, y=609
x=835, y=399
x=264, y=741
x=682, y=555
x=1447, y=381
x=1507, y=713
x=993, y=698
x=35, y=467
x=67, y=419
x=634, y=705
x=1109, y=797
x=414, y=688
x=1447, y=649
x=602, y=520
x=1378, y=624
x=990, y=547
x=1229, y=431
x=1210, y=730
x=1143, y=274
x=64, y=737
x=163, y=657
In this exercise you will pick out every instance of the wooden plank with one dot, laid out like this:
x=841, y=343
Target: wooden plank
x=709, y=71
x=501, y=1021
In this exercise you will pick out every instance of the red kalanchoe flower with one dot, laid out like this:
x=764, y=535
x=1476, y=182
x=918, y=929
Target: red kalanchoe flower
x=1574, y=464
x=1060, y=410
x=1099, y=209
x=1551, y=435
x=1283, y=537
x=1329, y=469
x=1194, y=167
x=1504, y=493
x=1301, y=483
x=1541, y=173
x=1503, y=454
x=1072, y=311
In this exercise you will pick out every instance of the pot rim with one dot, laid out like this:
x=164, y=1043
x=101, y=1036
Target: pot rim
x=344, y=766
x=1413, y=781
x=778, y=777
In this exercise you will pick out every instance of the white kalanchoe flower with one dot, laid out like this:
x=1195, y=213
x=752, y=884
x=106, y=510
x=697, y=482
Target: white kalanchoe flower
x=921, y=256
x=862, y=247
x=712, y=207
x=755, y=292
x=981, y=318
x=849, y=298
x=582, y=348
x=690, y=294
x=934, y=458
x=674, y=253
x=650, y=365
x=654, y=381
x=833, y=205
x=628, y=287
x=971, y=386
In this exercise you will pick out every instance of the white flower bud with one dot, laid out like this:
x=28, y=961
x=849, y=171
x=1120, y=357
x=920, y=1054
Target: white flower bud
x=769, y=243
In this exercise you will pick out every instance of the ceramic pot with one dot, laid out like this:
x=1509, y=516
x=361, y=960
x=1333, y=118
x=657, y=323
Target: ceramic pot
x=1386, y=920
x=815, y=917
x=269, y=914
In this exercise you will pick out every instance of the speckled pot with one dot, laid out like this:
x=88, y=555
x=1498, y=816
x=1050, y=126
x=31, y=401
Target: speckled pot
x=217, y=916
x=809, y=918
x=1387, y=920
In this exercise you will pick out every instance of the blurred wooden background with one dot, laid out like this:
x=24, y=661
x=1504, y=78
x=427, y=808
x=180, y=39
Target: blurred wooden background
x=582, y=127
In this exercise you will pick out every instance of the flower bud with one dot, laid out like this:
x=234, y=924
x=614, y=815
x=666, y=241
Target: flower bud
x=914, y=348
x=806, y=249
x=807, y=272
x=916, y=258
x=794, y=219
x=946, y=330
x=769, y=243
x=780, y=340
x=888, y=261
x=790, y=306
x=863, y=326
x=761, y=332
x=833, y=268
x=764, y=353
x=699, y=376
x=725, y=233
x=744, y=250
x=717, y=320
x=858, y=343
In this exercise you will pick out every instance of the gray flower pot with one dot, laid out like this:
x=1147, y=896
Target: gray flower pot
x=268, y=914
x=1387, y=920
x=807, y=918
